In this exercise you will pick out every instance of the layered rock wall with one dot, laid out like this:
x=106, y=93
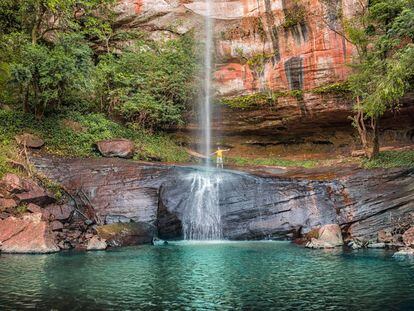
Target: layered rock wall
x=253, y=206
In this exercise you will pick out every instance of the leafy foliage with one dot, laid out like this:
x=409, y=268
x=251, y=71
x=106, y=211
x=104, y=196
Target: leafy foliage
x=383, y=72
x=149, y=84
x=59, y=55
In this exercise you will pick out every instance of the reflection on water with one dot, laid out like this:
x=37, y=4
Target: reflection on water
x=208, y=276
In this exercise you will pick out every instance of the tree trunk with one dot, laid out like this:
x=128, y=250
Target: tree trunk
x=375, y=138
x=359, y=121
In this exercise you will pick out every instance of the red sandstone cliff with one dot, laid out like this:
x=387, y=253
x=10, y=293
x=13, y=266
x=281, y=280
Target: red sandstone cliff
x=260, y=44
x=272, y=45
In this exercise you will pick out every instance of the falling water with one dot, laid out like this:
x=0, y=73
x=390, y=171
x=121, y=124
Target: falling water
x=205, y=107
x=202, y=219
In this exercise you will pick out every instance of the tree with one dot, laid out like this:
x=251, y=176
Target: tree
x=382, y=32
x=150, y=84
x=43, y=47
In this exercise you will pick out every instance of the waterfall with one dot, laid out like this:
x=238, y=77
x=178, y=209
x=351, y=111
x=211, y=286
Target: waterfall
x=205, y=105
x=202, y=218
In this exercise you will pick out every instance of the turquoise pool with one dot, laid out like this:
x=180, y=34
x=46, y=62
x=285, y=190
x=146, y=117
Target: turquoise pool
x=208, y=276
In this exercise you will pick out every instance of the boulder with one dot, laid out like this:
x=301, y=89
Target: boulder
x=32, y=193
x=316, y=243
x=385, y=236
x=7, y=203
x=408, y=237
x=329, y=236
x=377, y=245
x=28, y=234
x=12, y=183
x=33, y=208
x=65, y=245
x=120, y=148
x=123, y=234
x=56, y=225
x=29, y=140
x=405, y=252
x=96, y=244
x=59, y=212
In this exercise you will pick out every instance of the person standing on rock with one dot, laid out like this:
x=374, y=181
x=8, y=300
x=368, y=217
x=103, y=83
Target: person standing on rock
x=219, y=155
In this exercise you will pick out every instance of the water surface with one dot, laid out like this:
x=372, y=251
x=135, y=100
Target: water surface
x=208, y=276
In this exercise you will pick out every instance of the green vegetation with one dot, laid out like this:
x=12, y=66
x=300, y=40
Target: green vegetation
x=384, y=69
x=390, y=159
x=67, y=73
x=150, y=84
x=294, y=15
x=251, y=101
x=333, y=88
x=271, y=162
x=74, y=134
x=66, y=55
x=256, y=100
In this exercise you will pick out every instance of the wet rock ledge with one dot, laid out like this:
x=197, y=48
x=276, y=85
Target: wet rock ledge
x=255, y=205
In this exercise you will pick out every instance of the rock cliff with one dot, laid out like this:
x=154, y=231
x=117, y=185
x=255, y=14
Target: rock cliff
x=259, y=45
x=255, y=205
x=264, y=46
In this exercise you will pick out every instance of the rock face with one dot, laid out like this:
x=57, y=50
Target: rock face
x=253, y=206
x=296, y=43
x=28, y=234
x=120, y=148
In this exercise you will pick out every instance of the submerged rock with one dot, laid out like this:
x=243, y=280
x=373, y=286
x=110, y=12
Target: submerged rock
x=316, y=243
x=28, y=234
x=121, y=148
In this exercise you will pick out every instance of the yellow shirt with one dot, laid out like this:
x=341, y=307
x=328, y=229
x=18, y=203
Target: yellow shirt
x=219, y=153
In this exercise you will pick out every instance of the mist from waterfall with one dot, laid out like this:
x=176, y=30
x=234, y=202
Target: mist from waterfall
x=202, y=218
